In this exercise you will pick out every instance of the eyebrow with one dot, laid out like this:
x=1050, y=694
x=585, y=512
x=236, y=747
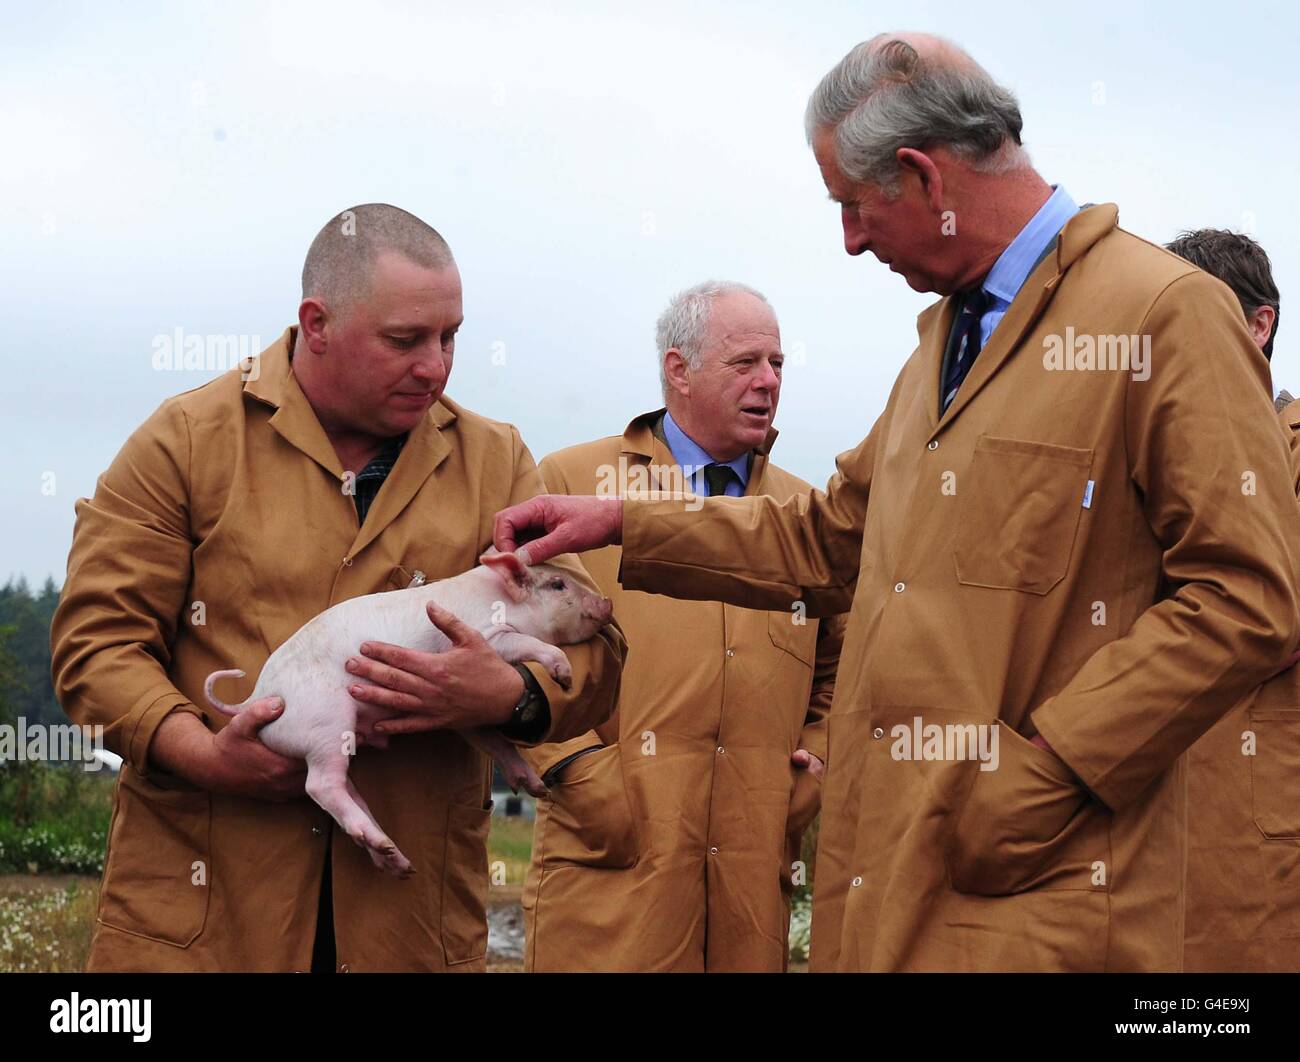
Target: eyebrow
x=404, y=326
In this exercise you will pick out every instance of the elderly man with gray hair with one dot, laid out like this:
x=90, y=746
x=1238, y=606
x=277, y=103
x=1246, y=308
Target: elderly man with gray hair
x=670, y=837
x=1068, y=544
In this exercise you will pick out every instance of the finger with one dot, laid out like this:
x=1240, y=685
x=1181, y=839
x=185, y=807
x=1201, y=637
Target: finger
x=800, y=758
x=408, y=724
x=450, y=624
x=257, y=714
x=540, y=550
x=528, y=531
x=509, y=524
x=386, y=698
x=396, y=675
x=533, y=784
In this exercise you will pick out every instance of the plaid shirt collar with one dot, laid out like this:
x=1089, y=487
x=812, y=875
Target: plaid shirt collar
x=371, y=478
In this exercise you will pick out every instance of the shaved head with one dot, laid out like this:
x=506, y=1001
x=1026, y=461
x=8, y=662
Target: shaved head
x=341, y=260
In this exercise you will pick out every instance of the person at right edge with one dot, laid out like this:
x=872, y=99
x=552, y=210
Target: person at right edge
x=1072, y=530
x=1243, y=777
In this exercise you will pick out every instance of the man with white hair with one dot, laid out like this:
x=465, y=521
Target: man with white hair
x=1068, y=544
x=670, y=837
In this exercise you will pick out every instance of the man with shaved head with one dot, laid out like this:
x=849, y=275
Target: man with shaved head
x=332, y=466
x=1067, y=547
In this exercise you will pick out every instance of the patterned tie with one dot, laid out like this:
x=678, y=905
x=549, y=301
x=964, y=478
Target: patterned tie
x=717, y=477
x=974, y=306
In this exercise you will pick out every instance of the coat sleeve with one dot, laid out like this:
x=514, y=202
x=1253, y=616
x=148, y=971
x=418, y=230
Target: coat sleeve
x=756, y=552
x=1213, y=475
x=830, y=639
x=597, y=664
x=128, y=573
x=547, y=756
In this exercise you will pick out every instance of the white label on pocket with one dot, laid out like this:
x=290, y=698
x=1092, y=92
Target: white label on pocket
x=1087, y=495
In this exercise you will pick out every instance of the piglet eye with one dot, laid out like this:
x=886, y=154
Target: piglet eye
x=556, y=584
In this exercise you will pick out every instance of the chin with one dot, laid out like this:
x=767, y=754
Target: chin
x=400, y=423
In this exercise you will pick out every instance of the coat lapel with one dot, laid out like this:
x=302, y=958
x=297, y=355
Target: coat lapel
x=1079, y=234
x=274, y=385
x=932, y=328
x=643, y=443
x=424, y=451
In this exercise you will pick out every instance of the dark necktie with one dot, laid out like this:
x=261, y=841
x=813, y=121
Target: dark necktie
x=974, y=306
x=717, y=477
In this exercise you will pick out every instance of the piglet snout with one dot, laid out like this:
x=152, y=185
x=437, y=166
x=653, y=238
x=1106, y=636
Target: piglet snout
x=598, y=608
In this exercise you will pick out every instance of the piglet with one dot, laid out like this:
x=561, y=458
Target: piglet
x=523, y=612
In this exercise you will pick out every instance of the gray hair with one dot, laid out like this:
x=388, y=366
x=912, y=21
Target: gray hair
x=885, y=96
x=341, y=259
x=686, y=321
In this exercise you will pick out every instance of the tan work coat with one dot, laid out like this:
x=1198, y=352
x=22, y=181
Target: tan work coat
x=222, y=526
x=1106, y=560
x=674, y=847
x=1243, y=828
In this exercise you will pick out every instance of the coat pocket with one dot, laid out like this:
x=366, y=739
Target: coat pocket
x=465, y=883
x=588, y=815
x=1027, y=824
x=797, y=639
x=1019, y=511
x=158, y=867
x=399, y=579
x=1275, y=771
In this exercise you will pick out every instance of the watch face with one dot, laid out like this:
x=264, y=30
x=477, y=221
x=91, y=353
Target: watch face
x=527, y=711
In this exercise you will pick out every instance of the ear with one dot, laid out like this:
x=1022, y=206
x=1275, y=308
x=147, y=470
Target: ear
x=677, y=372
x=311, y=324
x=922, y=166
x=1261, y=324
x=512, y=572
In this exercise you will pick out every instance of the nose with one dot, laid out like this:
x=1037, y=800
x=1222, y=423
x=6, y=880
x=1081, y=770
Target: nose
x=430, y=369
x=855, y=233
x=600, y=608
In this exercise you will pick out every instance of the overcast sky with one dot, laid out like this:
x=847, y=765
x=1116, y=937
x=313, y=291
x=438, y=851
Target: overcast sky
x=165, y=167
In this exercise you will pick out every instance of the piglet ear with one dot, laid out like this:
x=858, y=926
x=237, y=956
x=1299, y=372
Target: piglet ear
x=512, y=572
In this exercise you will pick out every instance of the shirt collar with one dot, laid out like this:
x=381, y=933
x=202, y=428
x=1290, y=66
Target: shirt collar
x=1013, y=267
x=692, y=457
x=382, y=463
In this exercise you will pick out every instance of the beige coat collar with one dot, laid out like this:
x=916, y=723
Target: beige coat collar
x=1081, y=232
x=639, y=440
x=294, y=419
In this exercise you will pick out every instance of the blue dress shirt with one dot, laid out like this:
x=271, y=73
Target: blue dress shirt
x=1012, y=269
x=691, y=457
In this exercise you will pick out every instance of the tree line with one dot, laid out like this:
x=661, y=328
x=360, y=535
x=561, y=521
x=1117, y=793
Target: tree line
x=26, y=689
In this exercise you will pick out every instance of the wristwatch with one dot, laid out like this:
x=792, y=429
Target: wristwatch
x=531, y=717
